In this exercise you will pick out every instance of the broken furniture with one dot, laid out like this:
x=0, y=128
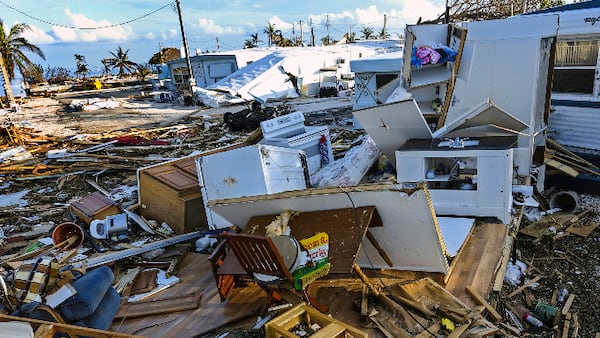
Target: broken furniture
x=346, y=228
x=463, y=180
x=410, y=235
x=94, y=206
x=282, y=325
x=248, y=171
x=269, y=261
x=169, y=192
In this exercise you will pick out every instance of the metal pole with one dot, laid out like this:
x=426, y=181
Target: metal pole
x=185, y=46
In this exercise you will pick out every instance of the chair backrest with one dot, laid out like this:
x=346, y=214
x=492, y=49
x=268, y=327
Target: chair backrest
x=257, y=254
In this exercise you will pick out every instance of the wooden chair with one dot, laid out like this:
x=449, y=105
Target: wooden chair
x=242, y=254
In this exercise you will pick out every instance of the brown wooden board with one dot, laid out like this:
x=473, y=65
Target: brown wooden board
x=346, y=229
x=195, y=277
x=477, y=262
x=159, y=306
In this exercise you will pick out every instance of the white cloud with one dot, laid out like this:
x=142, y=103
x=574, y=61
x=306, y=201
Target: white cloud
x=37, y=36
x=368, y=16
x=210, y=27
x=280, y=24
x=414, y=9
x=150, y=36
x=170, y=34
x=116, y=33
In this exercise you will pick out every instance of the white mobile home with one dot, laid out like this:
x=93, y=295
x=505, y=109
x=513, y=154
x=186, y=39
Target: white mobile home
x=207, y=69
x=575, y=98
x=485, y=94
x=375, y=78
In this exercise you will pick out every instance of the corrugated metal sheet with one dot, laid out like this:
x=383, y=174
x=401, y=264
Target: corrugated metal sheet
x=577, y=128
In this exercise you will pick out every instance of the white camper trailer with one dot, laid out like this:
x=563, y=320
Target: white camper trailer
x=575, y=98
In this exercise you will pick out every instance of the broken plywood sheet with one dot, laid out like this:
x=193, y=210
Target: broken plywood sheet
x=410, y=234
x=485, y=119
x=390, y=125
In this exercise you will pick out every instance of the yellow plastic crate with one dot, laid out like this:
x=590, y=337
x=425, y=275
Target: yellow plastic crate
x=279, y=327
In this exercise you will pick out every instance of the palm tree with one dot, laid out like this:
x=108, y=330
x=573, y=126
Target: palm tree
x=82, y=66
x=367, y=32
x=106, y=67
x=248, y=44
x=272, y=33
x=384, y=34
x=120, y=61
x=142, y=71
x=13, y=47
x=254, y=39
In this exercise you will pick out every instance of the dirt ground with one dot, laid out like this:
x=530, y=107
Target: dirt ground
x=560, y=260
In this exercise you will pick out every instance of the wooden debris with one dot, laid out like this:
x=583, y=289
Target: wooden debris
x=480, y=300
x=159, y=306
x=433, y=328
x=524, y=286
x=387, y=302
x=566, y=326
x=582, y=230
x=567, y=306
x=364, y=301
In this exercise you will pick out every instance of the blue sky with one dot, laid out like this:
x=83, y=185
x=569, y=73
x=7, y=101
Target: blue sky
x=131, y=26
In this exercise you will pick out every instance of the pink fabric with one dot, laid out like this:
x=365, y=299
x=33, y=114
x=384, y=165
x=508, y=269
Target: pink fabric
x=427, y=55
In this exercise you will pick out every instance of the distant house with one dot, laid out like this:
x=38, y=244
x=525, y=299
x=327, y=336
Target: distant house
x=207, y=69
x=289, y=72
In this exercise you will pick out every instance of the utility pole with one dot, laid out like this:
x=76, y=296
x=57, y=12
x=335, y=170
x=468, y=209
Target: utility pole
x=160, y=54
x=384, y=26
x=185, y=46
x=327, y=24
x=301, y=35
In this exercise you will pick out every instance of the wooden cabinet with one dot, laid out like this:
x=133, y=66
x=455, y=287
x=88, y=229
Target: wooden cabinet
x=170, y=193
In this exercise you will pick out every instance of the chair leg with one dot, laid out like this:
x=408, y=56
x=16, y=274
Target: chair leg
x=272, y=296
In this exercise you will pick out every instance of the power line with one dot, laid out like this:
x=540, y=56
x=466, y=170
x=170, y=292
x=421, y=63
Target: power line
x=86, y=28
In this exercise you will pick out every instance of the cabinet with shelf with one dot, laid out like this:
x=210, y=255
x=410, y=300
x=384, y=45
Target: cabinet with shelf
x=461, y=182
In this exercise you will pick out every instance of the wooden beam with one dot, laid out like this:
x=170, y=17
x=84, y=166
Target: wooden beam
x=480, y=300
x=567, y=306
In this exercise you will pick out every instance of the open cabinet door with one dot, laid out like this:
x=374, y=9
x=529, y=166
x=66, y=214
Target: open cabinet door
x=457, y=37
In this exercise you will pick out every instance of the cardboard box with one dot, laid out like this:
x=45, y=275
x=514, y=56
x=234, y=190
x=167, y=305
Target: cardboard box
x=94, y=206
x=302, y=313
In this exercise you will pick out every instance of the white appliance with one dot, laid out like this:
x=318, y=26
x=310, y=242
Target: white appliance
x=283, y=126
x=309, y=142
x=249, y=171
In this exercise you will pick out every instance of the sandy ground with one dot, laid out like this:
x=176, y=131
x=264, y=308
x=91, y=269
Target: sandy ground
x=53, y=116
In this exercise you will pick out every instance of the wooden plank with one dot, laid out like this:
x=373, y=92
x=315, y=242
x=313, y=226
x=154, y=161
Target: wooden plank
x=455, y=67
x=477, y=262
x=73, y=330
x=568, y=303
x=562, y=167
x=566, y=326
x=479, y=299
x=159, y=306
